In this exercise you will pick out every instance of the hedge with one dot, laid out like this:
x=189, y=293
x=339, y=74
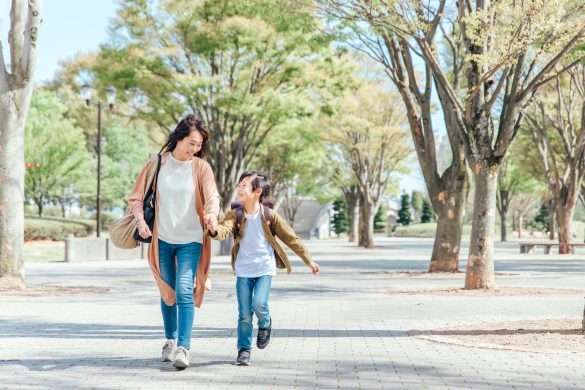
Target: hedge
x=56, y=229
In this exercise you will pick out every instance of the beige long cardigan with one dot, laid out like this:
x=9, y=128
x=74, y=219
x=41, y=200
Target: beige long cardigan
x=207, y=201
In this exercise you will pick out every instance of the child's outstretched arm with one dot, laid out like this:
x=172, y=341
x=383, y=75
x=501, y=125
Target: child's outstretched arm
x=224, y=229
x=286, y=233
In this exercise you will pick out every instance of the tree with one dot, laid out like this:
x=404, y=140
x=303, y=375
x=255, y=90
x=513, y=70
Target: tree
x=247, y=65
x=292, y=157
x=339, y=220
x=380, y=219
x=523, y=206
x=541, y=220
x=396, y=52
x=367, y=128
x=404, y=217
x=56, y=146
x=427, y=212
x=514, y=180
x=417, y=200
x=15, y=90
x=557, y=125
x=127, y=143
x=511, y=50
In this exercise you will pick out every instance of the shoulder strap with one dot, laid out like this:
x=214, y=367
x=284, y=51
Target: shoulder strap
x=239, y=216
x=154, y=182
x=268, y=218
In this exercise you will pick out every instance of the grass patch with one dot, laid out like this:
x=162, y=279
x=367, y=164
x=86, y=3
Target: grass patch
x=422, y=230
x=44, y=251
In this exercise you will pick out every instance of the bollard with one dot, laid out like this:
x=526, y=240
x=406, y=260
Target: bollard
x=583, y=322
x=69, y=248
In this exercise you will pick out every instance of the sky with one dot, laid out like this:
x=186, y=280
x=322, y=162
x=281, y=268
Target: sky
x=70, y=27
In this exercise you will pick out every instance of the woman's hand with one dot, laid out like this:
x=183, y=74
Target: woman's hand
x=211, y=223
x=314, y=268
x=143, y=229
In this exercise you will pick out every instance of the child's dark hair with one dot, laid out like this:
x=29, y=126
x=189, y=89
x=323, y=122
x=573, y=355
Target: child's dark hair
x=185, y=126
x=259, y=180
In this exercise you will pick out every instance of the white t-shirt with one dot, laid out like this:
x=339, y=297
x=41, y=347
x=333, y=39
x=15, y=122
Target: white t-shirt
x=256, y=255
x=178, y=222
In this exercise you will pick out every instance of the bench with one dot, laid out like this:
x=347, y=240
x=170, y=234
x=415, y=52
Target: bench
x=528, y=247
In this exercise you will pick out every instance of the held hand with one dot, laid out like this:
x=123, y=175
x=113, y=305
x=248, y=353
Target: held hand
x=144, y=230
x=211, y=223
x=314, y=268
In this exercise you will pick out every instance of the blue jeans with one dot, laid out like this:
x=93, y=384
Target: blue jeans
x=179, y=275
x=252, y=298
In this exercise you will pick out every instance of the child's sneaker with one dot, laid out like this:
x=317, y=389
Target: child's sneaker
x=243, y=358
x=181, y=358
x=168, y=351
x=264, y=336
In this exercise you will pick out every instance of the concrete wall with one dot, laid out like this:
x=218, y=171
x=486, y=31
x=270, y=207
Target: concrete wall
x=100, y=249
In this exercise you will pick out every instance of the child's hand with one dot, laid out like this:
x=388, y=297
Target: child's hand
x=314, y=268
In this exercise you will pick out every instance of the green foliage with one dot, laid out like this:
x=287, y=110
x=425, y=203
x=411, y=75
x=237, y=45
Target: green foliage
x=125, y=151
x=250, y=67
x=293, y=157
x=55, y=229
x=58, y=147
x=541, y=220
x=404, y=216
x=417, y=200
x=340, y=219
x=380, y=219
x=427, y=212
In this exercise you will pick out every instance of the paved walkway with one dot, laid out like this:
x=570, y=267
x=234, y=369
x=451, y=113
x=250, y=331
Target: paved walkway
x=341, y=329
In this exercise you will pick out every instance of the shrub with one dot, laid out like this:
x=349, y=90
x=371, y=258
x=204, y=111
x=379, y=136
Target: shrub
x=55, y=229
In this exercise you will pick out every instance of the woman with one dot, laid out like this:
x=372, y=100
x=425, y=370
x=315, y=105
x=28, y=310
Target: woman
x=186, y=197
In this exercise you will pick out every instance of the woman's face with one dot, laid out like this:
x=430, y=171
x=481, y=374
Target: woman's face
x=188, y=146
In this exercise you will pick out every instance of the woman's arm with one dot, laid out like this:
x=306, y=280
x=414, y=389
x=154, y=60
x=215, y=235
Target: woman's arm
x=211, y=196
x=136, y=198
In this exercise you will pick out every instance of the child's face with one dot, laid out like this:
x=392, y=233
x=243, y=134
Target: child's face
x=244, y=191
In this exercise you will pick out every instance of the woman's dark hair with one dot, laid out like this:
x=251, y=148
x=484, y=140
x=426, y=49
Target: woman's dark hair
x=185, y=126
x=260, y=180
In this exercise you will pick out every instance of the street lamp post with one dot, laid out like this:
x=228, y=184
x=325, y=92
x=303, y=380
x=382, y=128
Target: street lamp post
x=86, y=92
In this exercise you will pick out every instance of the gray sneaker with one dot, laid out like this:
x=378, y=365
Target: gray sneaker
x=168, y=351
x=181, y=358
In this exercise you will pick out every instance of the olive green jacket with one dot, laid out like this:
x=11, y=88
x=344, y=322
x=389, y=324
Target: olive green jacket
x=228, y=227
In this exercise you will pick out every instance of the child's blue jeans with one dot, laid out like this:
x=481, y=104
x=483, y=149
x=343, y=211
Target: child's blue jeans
x=252, y=298
x=179, y=275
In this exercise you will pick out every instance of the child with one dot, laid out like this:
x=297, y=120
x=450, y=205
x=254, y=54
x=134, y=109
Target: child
x=255, y=257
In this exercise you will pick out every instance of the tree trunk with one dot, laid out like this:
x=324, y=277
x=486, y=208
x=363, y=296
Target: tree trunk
x=450, y=209
x=514, y=223
x=13, y=109
x=551, y=220
x=520, y=225
x=480, y=264
x=564, y=215
x=353, y=213
x=40, y=208
x=366, y=231
x=503, y=230
x=352, y=203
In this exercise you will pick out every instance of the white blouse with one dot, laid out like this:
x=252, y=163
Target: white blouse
x=178, y=222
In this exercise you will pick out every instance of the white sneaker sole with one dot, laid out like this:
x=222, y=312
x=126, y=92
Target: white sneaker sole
x=180, y=364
